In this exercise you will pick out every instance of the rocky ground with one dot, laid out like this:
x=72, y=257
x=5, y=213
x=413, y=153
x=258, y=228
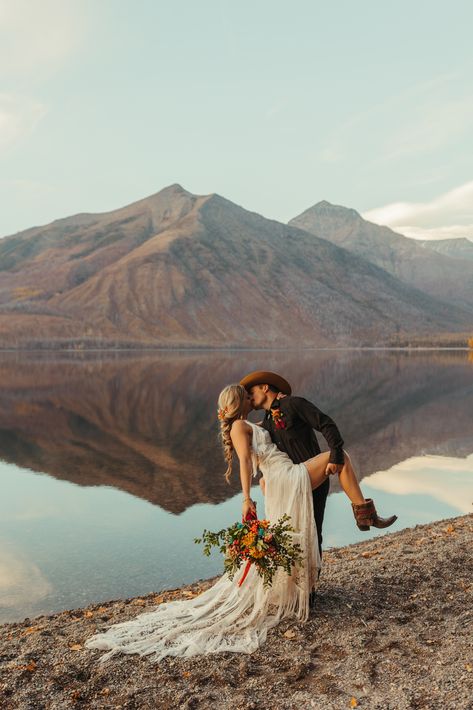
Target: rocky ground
x=392, y=629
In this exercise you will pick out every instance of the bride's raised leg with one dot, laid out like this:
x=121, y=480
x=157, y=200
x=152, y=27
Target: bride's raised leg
x=316, y=467
x=363, y=508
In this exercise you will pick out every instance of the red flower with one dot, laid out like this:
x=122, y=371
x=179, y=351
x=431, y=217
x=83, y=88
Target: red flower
x=278, y=418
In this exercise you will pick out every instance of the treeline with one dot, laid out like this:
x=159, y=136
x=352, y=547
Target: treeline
x=440, y=340
x=79, y=344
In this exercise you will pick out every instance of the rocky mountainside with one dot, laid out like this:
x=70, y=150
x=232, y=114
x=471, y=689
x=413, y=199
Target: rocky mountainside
x=177, y=269
x=461, y=248
x=440, y=271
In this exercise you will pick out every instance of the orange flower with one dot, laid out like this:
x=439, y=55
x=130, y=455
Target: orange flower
x=248, y=539
x=256, y=553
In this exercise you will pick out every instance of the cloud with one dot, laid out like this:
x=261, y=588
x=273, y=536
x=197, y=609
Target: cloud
x=38, y=36
x=36, y=40
x=19, y=116
x=394, y=102
x=447, y=216
x=447, y=479
x=431, y=126
x=456, y=231
x=423, y=118
x=22, y=584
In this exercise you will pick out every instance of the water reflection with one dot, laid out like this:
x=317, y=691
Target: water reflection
x=449, y=480
x=147, y=425
x=22, y=584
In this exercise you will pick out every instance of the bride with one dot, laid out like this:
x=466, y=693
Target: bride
x=229, y=617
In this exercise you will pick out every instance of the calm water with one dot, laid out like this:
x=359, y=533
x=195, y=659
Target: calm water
x=109, y=465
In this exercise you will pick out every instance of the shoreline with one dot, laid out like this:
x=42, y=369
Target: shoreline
x=391, y=629
x=230, y=349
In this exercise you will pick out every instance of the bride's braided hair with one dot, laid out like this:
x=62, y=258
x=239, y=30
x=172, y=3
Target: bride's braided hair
x=230, y=403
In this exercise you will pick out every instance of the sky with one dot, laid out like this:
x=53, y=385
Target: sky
x=272, y=104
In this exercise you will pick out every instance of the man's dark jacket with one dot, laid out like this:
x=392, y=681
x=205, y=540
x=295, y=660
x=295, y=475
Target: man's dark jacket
x=299, y=441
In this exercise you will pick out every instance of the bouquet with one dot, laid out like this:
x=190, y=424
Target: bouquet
x=256, y=542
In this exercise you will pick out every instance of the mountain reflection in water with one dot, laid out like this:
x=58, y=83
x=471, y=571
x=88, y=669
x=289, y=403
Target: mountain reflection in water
x=147, y=425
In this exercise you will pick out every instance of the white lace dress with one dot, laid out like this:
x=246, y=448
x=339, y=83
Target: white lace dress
x=227, y=617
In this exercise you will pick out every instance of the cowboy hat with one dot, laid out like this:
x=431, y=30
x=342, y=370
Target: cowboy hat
x=260, y=377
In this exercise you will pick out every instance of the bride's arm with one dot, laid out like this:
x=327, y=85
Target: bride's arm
x=240, y=436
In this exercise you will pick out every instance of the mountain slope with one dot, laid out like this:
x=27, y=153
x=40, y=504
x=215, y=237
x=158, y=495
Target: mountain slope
x=438, y=274
x=177, y=269
x=79, y=246
x=460, y=248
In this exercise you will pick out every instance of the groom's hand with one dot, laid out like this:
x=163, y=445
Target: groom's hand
x=332, y=468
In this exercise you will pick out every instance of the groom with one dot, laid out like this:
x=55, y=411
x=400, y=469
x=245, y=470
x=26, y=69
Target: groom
x=290, y=422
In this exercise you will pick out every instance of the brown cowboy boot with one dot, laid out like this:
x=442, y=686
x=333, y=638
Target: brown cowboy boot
x=366, y=515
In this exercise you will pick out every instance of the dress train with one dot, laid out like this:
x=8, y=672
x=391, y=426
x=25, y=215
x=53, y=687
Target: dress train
x=229, y=617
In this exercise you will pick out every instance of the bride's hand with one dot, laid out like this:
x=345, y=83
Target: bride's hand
x=333, y=468
x=247, y=506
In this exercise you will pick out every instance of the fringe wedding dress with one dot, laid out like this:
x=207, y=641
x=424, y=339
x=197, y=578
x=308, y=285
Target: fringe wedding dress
x=228, y=617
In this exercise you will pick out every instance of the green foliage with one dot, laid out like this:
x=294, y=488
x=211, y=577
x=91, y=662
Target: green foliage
x=268, y=547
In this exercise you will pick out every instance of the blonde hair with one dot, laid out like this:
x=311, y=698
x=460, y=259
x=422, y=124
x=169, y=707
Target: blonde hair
x=230, y=405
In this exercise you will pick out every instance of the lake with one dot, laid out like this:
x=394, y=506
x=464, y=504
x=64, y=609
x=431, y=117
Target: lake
x=110, y=464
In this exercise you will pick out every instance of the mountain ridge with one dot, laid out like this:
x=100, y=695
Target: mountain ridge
x=458, y=247
x=441, y=275
x=178, y=269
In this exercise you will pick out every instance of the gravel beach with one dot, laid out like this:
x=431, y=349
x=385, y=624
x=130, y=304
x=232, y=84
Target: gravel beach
x=392, y=629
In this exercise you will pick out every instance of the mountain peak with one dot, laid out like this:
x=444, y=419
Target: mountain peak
x=174, y=190
x=172, y=196
x=322, y=211
x=175, y=187
x=324, y=206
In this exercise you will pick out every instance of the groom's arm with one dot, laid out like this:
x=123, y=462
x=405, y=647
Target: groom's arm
x=321, y=422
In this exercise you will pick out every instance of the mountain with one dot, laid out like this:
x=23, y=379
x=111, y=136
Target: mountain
x=446, y=275
x=459, y=248
x=177, y=269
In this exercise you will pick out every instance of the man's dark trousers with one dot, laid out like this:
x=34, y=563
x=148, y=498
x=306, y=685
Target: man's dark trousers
x=297, y=438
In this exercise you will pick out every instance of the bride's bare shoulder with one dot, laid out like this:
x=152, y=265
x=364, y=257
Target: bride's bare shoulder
x=239, y=427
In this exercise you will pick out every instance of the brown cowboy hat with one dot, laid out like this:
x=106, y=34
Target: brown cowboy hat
x=260, y=377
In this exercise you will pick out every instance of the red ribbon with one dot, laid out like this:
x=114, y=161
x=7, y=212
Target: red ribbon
x=247, y=569
x=249, y=516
